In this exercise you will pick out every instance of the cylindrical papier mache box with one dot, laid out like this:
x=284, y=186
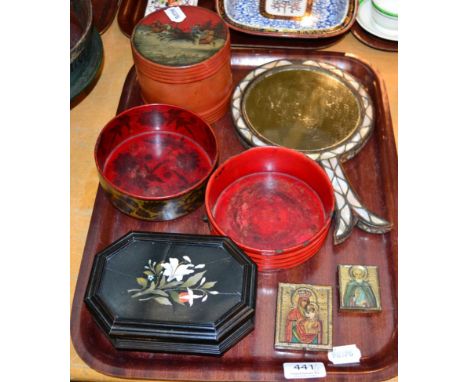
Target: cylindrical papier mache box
x=182, y=57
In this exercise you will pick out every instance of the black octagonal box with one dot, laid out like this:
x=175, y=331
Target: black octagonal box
x=173, y=293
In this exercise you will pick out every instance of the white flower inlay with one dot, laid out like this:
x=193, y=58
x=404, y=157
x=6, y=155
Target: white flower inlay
x=158, y=284
x=174, y=270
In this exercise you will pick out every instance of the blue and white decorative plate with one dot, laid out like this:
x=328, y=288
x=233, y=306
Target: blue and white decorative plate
x=289, y=18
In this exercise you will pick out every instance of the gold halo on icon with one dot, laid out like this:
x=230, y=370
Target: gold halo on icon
x=358, y=267
x=304, y=291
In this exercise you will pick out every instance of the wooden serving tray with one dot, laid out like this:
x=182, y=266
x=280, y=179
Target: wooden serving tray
x=132, y=11
x=373, y=173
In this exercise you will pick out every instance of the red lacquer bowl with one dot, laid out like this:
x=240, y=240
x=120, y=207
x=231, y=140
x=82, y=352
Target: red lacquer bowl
x=154, y=161
x=275, y=203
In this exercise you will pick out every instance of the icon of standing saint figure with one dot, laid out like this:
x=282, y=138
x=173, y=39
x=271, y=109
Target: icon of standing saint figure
x=303, y=317
x=359, y=288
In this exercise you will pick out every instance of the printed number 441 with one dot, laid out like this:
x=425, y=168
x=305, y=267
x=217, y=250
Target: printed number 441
x=303, y=367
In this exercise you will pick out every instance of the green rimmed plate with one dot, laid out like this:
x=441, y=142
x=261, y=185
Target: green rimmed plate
x=85, y=68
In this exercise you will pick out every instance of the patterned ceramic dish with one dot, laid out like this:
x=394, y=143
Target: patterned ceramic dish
x=318, y=109
x=85, y=47
x=292, y=18
x=275, y=203
x=154, y=161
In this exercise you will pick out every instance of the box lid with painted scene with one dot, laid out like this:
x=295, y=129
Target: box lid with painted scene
x=177, y=38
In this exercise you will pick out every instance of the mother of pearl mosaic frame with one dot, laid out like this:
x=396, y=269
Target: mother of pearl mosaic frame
x=349, y=210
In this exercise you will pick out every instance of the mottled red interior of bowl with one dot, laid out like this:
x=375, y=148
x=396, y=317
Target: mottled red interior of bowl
x=271, y=200
x=156, y=151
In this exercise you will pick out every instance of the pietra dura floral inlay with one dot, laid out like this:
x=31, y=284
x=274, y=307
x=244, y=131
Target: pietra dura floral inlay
x=166, y=282
x=173, y=293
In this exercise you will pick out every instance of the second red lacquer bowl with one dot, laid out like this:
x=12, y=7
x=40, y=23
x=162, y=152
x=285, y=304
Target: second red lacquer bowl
x=275, y=203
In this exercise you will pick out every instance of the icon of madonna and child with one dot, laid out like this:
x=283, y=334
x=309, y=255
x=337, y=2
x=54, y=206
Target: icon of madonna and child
x=306, y=318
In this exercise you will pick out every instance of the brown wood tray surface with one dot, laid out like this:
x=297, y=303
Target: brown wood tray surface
x=132, y=11
x=373, y=41
x=373, y=173
x=104, y=12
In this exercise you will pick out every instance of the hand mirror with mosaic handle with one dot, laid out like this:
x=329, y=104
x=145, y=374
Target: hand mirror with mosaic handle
x=316, y=108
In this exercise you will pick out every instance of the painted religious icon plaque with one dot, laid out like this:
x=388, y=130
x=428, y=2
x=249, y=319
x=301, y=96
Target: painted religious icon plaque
x=304, y=317
x=359, y=287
